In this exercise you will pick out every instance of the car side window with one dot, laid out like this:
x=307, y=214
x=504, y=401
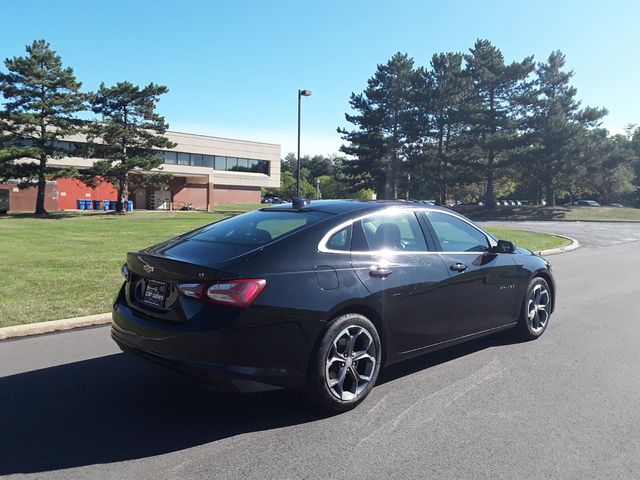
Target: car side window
x=341, y=240
x=456, y=235
x=398, y=231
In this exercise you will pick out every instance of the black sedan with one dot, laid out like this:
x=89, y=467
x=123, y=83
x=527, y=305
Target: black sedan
x=319, y=296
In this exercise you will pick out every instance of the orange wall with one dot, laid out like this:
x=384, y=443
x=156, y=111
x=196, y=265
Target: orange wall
x=236, y=195
x=184, y=193
x=70, y=190
x=24, y=200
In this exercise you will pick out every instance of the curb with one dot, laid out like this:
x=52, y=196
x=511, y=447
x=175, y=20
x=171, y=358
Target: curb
x=554, y=251
x=54, y=326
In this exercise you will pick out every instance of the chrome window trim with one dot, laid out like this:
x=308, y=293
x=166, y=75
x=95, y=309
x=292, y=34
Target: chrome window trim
x=322, y=246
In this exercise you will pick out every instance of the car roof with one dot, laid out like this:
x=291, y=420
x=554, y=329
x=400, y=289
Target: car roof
x=340, y=207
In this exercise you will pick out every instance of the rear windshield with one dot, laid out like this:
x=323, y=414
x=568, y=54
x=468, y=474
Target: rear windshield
x=257, y=227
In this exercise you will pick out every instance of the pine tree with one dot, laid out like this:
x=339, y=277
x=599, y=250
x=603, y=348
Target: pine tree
x=127, y=131
x=449, y=95
x=42, y=99
x=384, y=121
x=559, y=126
x=499, y=91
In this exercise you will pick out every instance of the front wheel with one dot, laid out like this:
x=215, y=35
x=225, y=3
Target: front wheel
x=536, y=310
x=345, y=364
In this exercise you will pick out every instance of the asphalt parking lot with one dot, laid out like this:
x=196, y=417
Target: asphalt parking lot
x=590, y=234
x=562, y=407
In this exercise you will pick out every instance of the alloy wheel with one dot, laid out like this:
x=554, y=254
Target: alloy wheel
x=538, y=307
x=350, y=363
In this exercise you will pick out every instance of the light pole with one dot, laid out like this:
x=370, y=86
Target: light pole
x=301, y=93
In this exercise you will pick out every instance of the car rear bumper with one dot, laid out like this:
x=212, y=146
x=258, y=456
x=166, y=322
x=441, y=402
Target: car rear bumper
x=273, y=353
x=225, y=378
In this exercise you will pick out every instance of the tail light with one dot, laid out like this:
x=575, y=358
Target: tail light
x=238, y=293
x=125, y=272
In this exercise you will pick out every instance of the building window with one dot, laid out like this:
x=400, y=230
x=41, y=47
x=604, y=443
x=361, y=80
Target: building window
x=243, y=165
x=208, y=161
x=216, y=162
x=183, y=158
x=196, y=159
x=170, y=157
x=232, y=163
x=262, y=167
x=221, y=163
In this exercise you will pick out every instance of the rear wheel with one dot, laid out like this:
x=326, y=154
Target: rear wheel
x=345, y=365
x=536, y=310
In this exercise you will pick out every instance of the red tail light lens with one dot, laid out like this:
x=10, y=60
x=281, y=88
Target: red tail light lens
x=239, y=293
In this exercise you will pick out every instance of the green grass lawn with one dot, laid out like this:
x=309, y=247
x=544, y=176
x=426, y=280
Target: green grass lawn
x=68, y=265
x=532, y=240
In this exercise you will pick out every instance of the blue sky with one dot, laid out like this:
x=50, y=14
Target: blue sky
x=233, y=68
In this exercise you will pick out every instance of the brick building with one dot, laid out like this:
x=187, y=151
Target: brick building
x=206, y=171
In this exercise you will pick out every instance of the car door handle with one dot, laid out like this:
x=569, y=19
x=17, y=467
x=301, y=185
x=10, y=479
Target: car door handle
x=376, y=271
x=459, y=267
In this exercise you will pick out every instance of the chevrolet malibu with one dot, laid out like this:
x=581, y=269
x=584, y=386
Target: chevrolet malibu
x=318, y=296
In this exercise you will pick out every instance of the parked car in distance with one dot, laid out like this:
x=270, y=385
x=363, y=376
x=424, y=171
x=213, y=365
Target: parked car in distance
x=273, y=200
x=318, y=296
x=616, y=205
x=587, y=203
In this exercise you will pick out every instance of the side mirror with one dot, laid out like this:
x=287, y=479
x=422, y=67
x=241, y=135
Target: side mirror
x=504, y=246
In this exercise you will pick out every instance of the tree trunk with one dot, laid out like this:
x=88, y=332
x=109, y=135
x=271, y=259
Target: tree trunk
x=550, y=195
x=388, y=189
x=42, y=186
x=445, y=166
x=490, y=198
x=42, y=179
x=394, y=161
x=539, y=196
x=442, y=166
x=121, y=206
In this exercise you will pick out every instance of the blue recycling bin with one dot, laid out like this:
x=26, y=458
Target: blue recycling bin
x=112, y=204
x=88, y=204
x=80, y=204
x=97, y=204
x=105, y=205
x=129, y=205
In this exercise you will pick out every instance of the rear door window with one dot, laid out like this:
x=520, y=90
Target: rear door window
x=398, y=231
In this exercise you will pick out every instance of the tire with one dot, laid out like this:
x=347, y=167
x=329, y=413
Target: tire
x=536, y=310
x=345, y=365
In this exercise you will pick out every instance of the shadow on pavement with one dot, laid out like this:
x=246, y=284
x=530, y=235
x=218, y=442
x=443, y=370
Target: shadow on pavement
x=118, y=408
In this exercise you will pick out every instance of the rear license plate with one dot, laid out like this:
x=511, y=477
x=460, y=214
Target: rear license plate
x=155, y=293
